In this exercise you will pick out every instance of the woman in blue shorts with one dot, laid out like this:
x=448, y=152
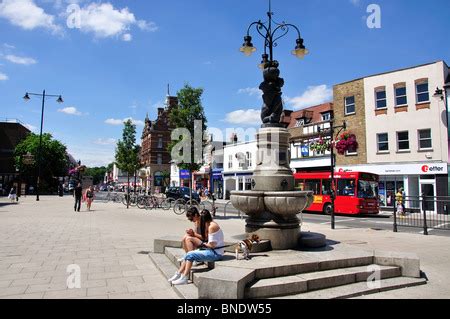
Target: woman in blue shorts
x=211, y=251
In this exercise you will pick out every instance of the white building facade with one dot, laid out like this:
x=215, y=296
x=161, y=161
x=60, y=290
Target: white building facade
x=406, y=132
x=239, y=162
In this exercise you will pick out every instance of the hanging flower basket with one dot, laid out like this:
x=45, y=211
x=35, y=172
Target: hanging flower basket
x=346, y=142
x=321, y=146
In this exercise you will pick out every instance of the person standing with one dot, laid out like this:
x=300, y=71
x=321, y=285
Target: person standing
x=89, y=197
x=399, y=199
x=78, y=193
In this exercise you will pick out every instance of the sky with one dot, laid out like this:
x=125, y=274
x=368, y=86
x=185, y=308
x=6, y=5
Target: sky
x=113, y=59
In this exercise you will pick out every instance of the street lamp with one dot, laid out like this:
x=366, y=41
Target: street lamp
x=27, y=98
x=271, y=31
x=333, y=165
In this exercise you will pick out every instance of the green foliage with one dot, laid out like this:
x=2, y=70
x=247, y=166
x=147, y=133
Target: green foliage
x=127, y=152
x=98, y=174
x=54, y=161
x=189, y=110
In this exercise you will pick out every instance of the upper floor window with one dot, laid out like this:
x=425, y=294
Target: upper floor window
x=248, y=159
x=350, y=105
x=400, y=95
x=159, y=159
x=230, y=161
x=326, y=117
x=380, y=98
x=425, y=141
x=422, y=94
x=403, y=141
x=300, y=123
x=160, y=142
x=383, y=142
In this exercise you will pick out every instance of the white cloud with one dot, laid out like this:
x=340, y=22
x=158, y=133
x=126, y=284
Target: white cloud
x=95, y=156
x=314, y=95
x=105, y=141
x=355, y=2
x=27, y=15
x=244, y=117
x=250, y=91
x=120, y=122
x=3, y=77
x=8, y=46
x=70, y=111
x=31, y=127
x=147, y=26
x=20, y=60
x=105, y=21
x=127, y=37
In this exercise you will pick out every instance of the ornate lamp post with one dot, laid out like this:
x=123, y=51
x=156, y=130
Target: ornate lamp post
x=271, y=31
x=27, y=98
x=272, y=204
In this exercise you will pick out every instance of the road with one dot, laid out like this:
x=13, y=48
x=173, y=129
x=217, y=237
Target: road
x=383, y=221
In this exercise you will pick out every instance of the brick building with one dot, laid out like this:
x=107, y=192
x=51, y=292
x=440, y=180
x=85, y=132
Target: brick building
x=11, y=134
x=155, y=156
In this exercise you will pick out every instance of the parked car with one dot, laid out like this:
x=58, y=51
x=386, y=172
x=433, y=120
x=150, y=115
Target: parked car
x=181, y=192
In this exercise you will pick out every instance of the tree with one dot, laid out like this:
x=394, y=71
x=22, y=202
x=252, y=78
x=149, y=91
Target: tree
x=98, y=174
x=54, y=163
x=189, y=111
x=127, y=153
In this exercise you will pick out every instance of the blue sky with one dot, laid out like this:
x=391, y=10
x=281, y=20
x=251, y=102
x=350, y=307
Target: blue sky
x=117, y=61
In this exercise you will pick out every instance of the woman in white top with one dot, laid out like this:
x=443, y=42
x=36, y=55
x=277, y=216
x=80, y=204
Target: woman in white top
x=211, y=251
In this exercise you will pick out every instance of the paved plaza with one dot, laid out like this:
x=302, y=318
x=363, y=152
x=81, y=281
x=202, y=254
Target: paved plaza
x=39, y=240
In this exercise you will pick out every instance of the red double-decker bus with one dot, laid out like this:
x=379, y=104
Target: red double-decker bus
x=356, y=192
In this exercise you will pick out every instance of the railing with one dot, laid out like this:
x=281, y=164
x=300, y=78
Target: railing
x=427, y=212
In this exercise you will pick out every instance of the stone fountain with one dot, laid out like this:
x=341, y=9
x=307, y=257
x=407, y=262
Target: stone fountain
x=273, y=205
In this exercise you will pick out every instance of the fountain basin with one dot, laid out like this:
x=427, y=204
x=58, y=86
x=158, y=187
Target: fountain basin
x=249, y=202
x=286, y=204
x=283, y=204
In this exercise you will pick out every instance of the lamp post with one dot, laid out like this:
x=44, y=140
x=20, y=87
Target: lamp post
x=271, y=31
x=333, y=164
x=27, y=98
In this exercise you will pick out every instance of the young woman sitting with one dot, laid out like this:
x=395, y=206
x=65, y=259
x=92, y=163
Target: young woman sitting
x=211, y=251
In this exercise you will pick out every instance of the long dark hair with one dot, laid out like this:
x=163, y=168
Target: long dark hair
x=191, y=212
x=205, y=217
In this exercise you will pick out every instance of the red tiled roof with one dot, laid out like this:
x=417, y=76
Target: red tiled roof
x=315, y=112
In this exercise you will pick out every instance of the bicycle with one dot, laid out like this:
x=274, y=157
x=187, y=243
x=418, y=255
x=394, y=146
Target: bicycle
x=181, y=206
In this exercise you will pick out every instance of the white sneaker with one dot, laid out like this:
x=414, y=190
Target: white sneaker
x=182, y=281
x=174, y=277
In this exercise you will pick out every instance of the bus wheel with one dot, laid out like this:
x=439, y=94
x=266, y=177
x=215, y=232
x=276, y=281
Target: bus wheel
x=327, y=209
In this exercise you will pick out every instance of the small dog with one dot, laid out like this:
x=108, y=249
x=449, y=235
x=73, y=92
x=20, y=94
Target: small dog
x=245, y=246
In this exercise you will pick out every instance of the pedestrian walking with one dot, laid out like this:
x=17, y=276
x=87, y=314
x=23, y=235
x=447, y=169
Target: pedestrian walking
x=78, y=194
x=399, y=200
x=89, y=195
x=12, y=194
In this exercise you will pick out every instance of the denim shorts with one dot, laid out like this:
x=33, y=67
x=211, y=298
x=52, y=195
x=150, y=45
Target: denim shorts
x=206, y=255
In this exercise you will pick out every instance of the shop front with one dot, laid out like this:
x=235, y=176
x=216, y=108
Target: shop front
x=184, y=177
x=236, y=182
x=217, y=183
x=421, y=179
